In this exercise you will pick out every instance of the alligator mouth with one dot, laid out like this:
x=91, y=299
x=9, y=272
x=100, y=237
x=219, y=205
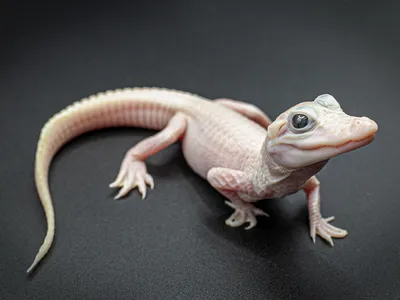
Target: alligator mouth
x=352, y=145
x=345, y=147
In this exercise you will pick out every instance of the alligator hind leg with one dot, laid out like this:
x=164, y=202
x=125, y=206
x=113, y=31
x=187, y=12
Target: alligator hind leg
x=133, y=171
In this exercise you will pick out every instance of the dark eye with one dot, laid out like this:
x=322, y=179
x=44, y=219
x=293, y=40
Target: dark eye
x=299, y=121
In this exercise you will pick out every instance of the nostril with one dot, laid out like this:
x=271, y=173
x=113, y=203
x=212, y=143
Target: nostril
x=358, y=122
x=363, y=121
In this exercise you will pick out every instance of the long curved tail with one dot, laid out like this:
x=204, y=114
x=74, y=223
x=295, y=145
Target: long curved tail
x=149, y=108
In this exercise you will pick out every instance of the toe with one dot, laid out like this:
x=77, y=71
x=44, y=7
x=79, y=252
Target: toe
x=123, y=191
x=322, y=233
x=329, y=219
x=313, y=232
x=236, y=219
x=334, y=231
x=260, y=212
x=119, y=180
x=230, y=204
x=127, y=186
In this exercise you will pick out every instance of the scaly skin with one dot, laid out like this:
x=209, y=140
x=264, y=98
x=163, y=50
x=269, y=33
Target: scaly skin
x=232, y=144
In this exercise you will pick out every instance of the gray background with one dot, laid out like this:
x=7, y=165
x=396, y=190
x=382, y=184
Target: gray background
x=175, y=244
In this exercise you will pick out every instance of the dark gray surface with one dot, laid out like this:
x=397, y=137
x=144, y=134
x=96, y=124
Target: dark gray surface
x=175, y=245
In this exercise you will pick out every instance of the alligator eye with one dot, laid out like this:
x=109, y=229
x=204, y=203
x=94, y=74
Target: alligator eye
x=299, y=121
x=303, y=119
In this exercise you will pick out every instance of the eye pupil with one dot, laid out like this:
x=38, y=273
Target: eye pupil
x=299, y=121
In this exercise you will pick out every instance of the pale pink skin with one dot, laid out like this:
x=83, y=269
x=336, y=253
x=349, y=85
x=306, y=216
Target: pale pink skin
x=231, y=144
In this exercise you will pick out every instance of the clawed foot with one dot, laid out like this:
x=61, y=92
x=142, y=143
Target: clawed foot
x=325, y=230
x=244, y=213
x=133, y=173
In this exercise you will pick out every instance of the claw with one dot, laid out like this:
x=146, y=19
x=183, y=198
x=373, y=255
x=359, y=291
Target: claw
x=149, y=180
x=313, y=238
x=252, y=221
x=313, y=232
x=141, y=185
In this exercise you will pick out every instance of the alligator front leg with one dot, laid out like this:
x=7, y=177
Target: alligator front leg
x=230, y=183
x=318, y=225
